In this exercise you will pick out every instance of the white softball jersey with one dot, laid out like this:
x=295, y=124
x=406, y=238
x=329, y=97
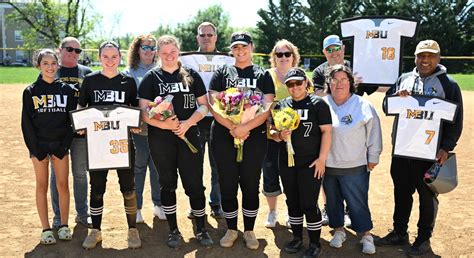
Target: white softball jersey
x=107, y=135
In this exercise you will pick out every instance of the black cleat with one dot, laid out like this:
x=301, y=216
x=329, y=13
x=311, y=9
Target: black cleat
x=313, y=251
x=419, y=248
x=294, y=245
x=175, y=239
x=393, y=238
x=204, y=238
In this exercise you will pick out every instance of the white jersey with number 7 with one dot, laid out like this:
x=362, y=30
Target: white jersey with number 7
x=418, y=125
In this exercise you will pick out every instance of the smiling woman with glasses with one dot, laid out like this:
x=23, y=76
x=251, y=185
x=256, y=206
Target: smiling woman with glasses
x=284, y=56
x=355, y=150
x=142, y=58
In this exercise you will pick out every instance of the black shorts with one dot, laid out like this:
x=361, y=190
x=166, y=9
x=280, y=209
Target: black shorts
x=49, y=148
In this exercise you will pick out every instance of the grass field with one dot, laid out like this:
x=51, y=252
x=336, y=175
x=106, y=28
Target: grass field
x=9, y=75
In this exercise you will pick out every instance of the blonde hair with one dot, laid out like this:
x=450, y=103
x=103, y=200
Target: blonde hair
x=293, y=49
x=183, y=75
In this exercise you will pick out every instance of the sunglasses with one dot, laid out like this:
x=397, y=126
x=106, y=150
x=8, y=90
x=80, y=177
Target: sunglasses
x=334, y=49
x=281, y=54
x=292, y=84
x=70, y=49
x=146, y=48
x=209, y=35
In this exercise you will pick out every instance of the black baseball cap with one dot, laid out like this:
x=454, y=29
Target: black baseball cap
x=295, y=74
x=240, y=38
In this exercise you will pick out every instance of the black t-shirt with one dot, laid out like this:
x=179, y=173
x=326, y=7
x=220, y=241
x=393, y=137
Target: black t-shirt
x=45, y=113
x=99, y=90
x=158, y=82
x=252, y=76
x=74, y=75
x=313, y=112
x=318, y=74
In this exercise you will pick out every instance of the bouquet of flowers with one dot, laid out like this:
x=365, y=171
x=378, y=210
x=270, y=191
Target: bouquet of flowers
x=287, y=119
x=162, y=108
x=239, y=105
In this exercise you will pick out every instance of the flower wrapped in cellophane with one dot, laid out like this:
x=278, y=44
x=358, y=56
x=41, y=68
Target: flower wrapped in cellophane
x=162, y=108
x=286, y=119
x=239, y=105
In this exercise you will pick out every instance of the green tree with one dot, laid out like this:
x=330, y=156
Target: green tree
x=285, y=20
x=186, y=32
x=48, y=21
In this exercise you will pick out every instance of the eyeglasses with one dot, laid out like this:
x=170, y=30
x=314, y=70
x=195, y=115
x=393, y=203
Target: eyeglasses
x=146, y=48
x=335, y=81
x=334, y=49
x=281, y=54
x=209, y=35
x=292, y=84
x=70, y=49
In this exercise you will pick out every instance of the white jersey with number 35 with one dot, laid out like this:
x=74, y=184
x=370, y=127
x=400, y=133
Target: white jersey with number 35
x=107, y=134
x=419, y=124
x=377, y=47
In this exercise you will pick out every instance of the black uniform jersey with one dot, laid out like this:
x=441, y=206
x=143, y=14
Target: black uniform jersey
x=158, y=82
x=45, y=113
x=99, y=90
x=313, y=112
x=252, y=76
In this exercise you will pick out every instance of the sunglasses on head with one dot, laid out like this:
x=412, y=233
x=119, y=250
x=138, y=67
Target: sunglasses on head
x=209, y=35
x=146, y=48
x=292, y=84
x=281, y=54
x=334, y=49
x=70, y=49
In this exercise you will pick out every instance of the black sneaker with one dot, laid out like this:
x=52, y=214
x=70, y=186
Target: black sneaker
x=190, y=214
x=294, y=245
x=312, y=251
x=393, y=238
x=175, y=239
x=204, y=238
x=419, y=248
x=217, y=212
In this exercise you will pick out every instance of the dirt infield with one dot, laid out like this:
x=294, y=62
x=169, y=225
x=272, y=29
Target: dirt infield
x=19, y=233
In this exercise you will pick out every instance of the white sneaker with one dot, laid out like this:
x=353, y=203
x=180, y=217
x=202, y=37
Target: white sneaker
x=158, y=212
x=94, y=237
x=368, y=246
x=338, y=238
x=347, y=219
x=271, y=219
x=229, y=238
x=139, y=217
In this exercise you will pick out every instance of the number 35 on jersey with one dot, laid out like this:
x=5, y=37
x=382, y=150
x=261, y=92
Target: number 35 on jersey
x=107, y=135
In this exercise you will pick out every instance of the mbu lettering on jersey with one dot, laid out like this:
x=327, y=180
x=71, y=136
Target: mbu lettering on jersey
x=208, y=68
x=376, y=34
x=173, y=87
x=420, y=114
x=241, y=83
x=303, y=113
x=106, y=125
x=109, y=96
x=50, y=103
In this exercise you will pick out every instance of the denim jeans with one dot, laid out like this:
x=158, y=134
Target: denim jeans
x=271, y=172
x=142, y=160
x=205, y=136
x=354, y=189
x=79, y=175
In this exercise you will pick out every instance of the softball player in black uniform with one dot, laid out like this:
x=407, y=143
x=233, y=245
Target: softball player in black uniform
x=47, y=132
x=118, y=89
x=311, y=142
x=245, y=173
x=169, y=152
